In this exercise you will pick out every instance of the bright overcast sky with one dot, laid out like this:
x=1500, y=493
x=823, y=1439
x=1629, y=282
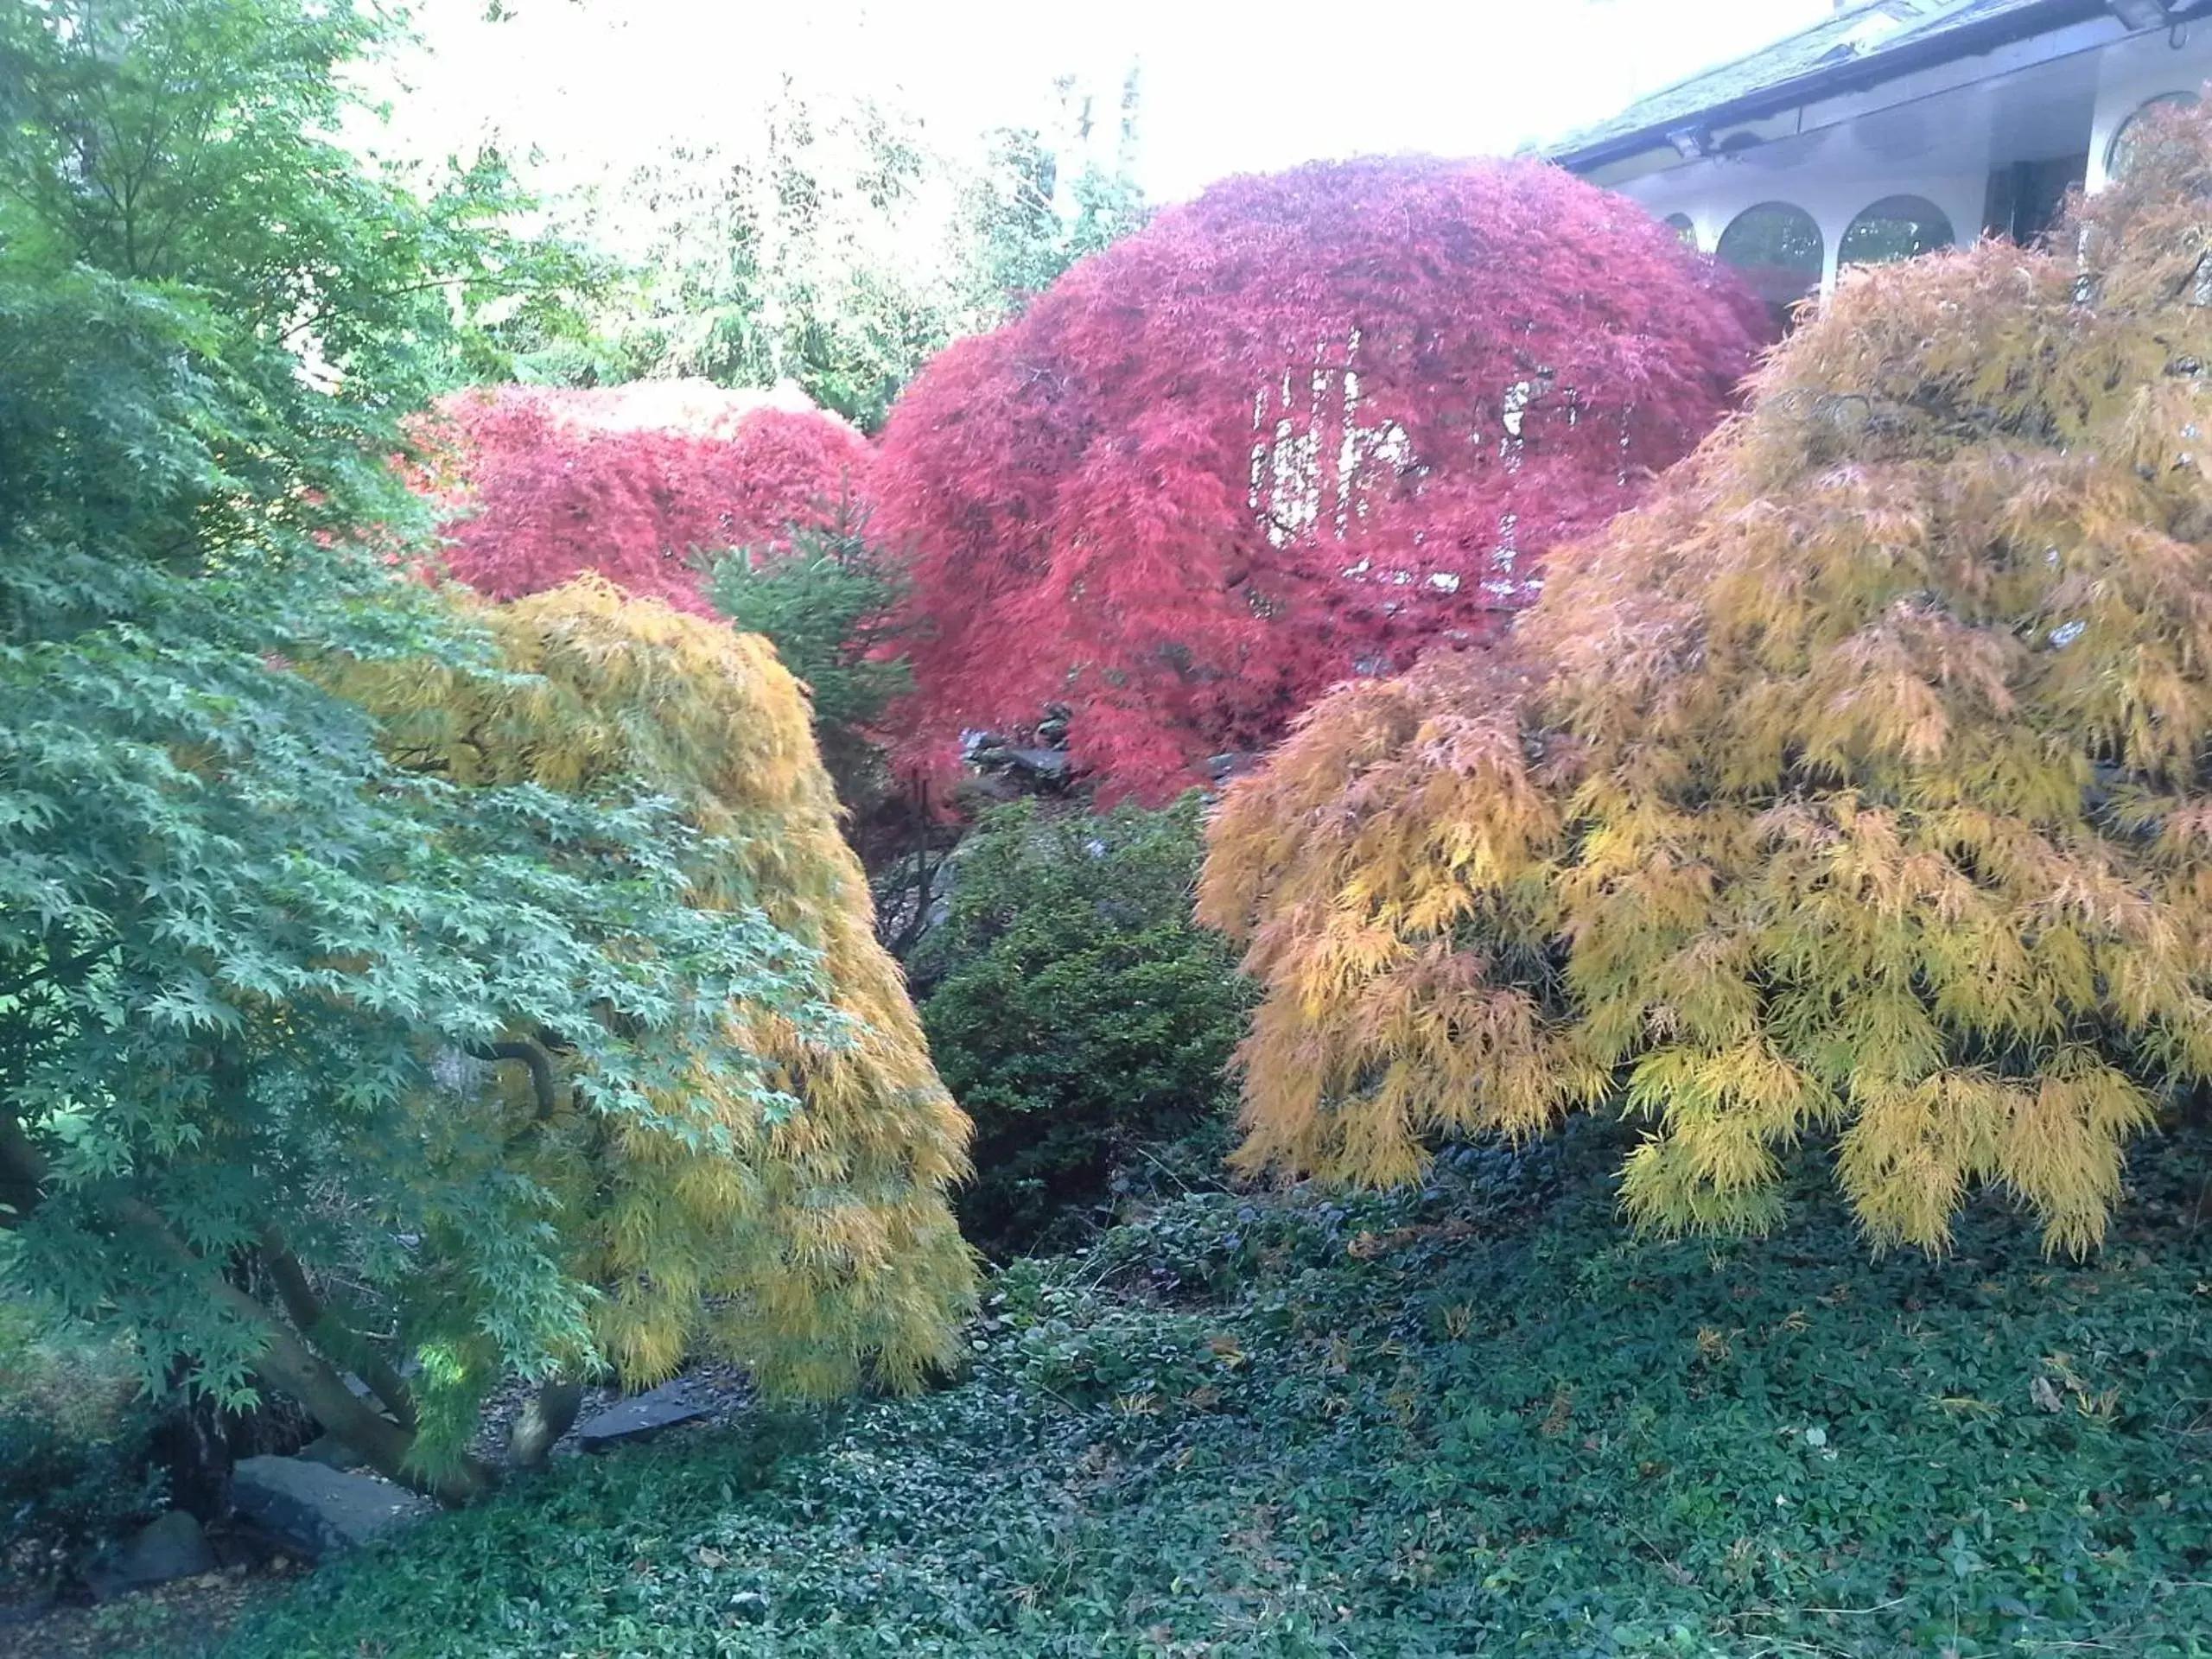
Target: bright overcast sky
x=1227, y=86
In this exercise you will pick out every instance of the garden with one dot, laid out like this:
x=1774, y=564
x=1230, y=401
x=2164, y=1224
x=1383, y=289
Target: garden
x=1327, y=921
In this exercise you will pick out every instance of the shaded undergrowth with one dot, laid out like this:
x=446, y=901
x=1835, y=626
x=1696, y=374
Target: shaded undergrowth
x=1474, y=1419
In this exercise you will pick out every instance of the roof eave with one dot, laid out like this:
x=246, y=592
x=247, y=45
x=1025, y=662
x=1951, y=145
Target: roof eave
x=1966, y=41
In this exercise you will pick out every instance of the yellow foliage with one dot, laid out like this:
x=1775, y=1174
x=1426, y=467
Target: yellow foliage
x=813, y=1249
x=1857, y=782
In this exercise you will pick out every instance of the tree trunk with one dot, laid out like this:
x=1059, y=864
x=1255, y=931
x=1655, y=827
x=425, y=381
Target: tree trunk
x=549, y=1414
x=291, y=1365
x=23, y=1171
x=288, y=1362
x=306, y=1309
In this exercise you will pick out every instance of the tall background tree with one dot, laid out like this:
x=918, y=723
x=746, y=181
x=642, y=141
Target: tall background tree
x=838, y=246
x=1043, y=198
x=499, y=1005
x=1855, y=786
x=1293, y=431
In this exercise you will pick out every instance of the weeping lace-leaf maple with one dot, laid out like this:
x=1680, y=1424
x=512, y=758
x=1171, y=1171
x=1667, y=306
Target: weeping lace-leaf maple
x=1291, y=431
x=802, y=1230
x=308, y=1040
x=1854, y=784
x=539, y=485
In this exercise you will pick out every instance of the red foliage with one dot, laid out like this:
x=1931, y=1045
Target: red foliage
x=543, y=484
x=1291, y=432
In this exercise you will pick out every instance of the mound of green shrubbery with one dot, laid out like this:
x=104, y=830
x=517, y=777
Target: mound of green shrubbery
x=1075, y=1011
x=1474, y=1418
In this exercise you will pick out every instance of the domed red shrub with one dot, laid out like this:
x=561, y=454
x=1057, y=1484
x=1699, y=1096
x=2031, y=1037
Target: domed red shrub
x=630, y=481
x=1287, y=433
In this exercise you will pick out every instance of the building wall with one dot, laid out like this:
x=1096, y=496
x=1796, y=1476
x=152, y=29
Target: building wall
x=1833, y=180
x=1833, y=199
x=2138, y=69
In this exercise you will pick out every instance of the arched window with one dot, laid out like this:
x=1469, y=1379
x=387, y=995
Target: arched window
x=1778, y=250
x=1895, y=227
x=1681, y=226
x=2121, y=153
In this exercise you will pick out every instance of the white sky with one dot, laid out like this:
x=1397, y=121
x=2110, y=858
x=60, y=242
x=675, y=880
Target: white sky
x=1228, y=85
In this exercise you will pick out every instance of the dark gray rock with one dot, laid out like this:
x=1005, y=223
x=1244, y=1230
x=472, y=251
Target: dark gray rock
x=169, y=1547
x=989, y=754
x=317, y=1509
x=331, y=1452
x=685, y=1399
x=1235, y=763
x=1044, y=763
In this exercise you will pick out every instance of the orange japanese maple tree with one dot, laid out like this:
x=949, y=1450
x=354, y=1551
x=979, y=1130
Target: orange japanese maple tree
x=1856, y=787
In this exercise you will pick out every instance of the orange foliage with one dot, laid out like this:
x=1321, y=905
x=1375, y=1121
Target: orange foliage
x=1856, y=784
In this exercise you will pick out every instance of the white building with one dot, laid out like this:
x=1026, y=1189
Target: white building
x=1896, y=126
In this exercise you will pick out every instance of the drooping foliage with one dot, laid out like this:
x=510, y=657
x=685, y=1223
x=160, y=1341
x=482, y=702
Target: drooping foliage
x=1076, y=1011
x=270, y=989
x=539, y=485
x=1857, y=783
x=1291, y=431
x=803, y=1231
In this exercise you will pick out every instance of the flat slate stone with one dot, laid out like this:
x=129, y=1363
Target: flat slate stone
x=318, y=1510
x=681, y=1400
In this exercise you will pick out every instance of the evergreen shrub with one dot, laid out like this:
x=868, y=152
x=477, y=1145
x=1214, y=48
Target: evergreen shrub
x=1073, y=1008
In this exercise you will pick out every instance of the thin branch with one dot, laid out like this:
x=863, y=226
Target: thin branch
x=533, y=1058
x=306, y=1309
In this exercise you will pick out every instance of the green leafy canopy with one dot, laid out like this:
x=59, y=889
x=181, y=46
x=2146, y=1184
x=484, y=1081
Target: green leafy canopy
x=1074, y=1009
x=245, y=959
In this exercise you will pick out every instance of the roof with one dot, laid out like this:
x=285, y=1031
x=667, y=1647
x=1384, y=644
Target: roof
x=1864, y=43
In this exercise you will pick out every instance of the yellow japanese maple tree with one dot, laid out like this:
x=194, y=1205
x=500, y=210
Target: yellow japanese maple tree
x=812, y=1245
x=1857, y=783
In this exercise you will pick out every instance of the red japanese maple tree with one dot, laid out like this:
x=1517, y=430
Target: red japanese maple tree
x=1292, y=432
x=543, y=483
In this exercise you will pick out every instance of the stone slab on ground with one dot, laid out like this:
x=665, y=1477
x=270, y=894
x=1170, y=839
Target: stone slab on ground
x=683, y=1400
x=319, y=1509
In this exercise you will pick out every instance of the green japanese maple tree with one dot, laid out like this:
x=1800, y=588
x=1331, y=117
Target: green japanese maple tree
x=318, y=1033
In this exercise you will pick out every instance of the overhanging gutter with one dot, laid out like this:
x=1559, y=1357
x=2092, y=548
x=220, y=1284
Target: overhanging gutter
x=1849, y=74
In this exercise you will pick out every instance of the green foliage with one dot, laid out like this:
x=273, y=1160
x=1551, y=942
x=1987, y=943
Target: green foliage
x=239, y=939
x=837, y=250
x=256, y=961
x=1072, y=1007
x=787, y=259
x=1031, y=210
x=73, y=1445
x=829, y=605
x=195, y=143
x=1470, y=1420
